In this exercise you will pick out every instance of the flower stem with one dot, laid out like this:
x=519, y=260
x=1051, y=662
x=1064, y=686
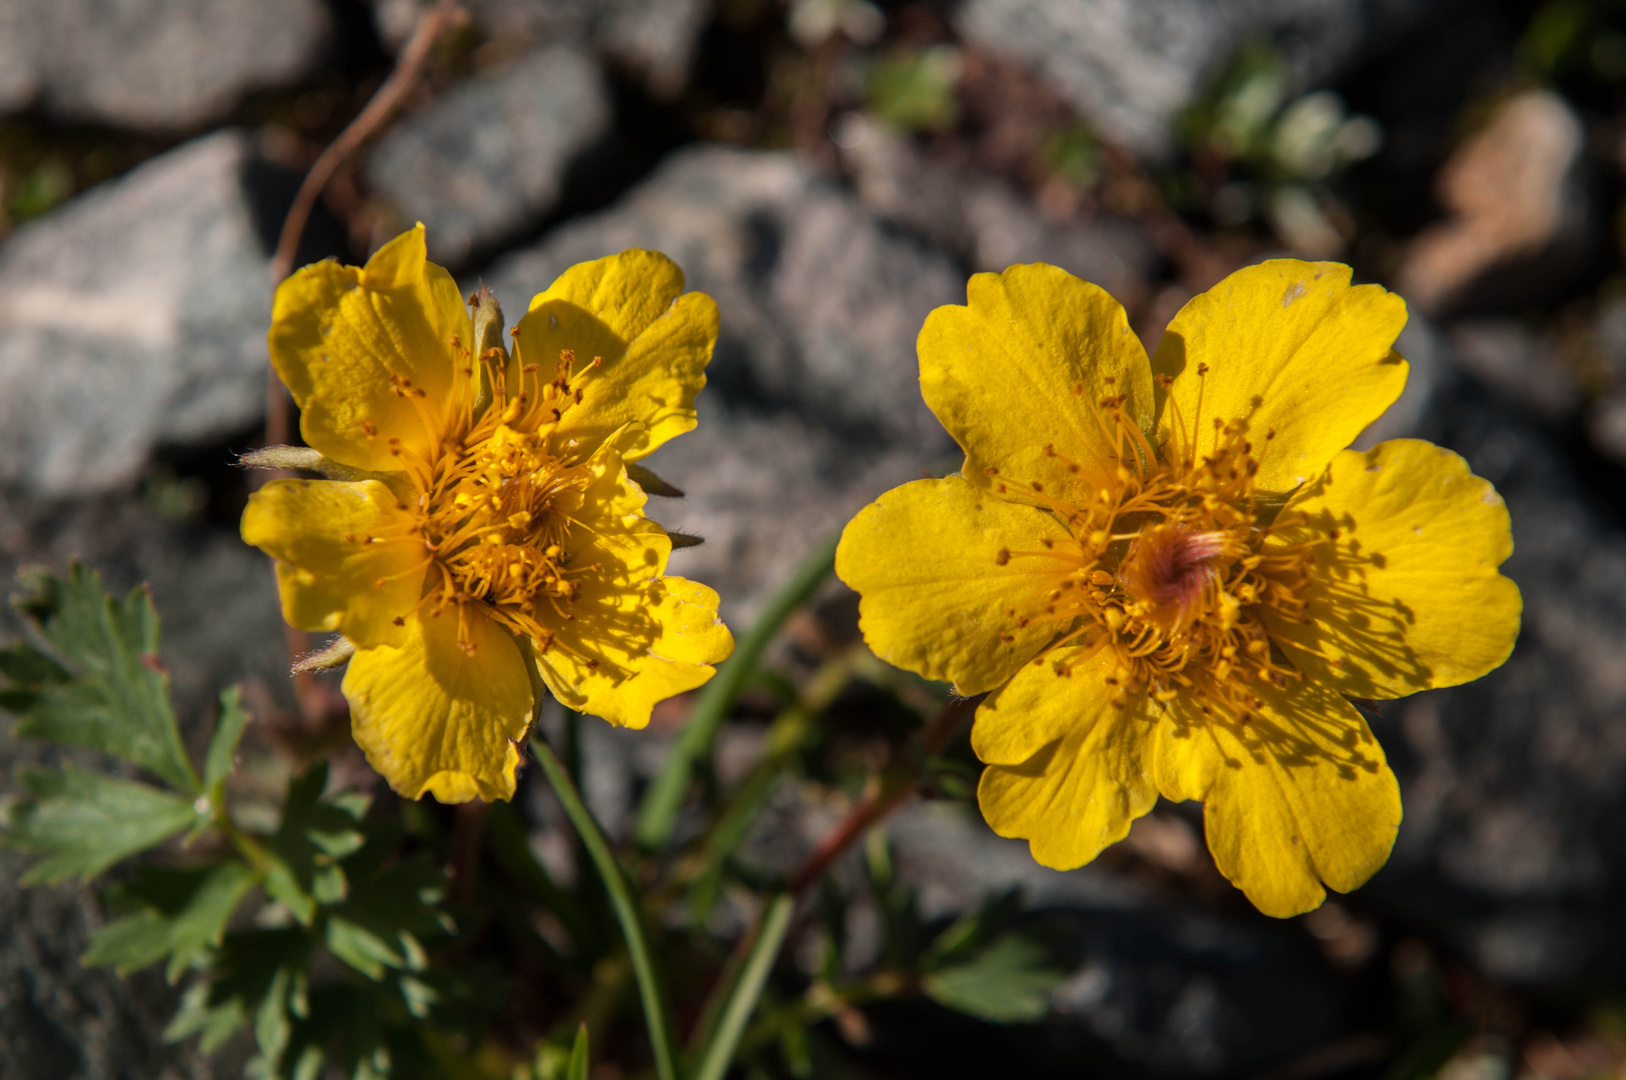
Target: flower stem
x=719, y=1051
x=657, y=1014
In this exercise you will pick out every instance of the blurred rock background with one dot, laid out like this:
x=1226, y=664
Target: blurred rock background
x=830, y=170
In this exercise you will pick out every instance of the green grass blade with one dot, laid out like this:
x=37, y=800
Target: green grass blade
x=719, y=1052
x=658, y=814
x=657, y=1013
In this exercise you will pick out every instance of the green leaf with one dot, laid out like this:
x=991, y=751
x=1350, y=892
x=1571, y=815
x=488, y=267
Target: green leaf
x=1008, y=982
x=361, y=948
x=316, y=831
x=82, y=823
x=183, y=912
x=27, y=666
x=117, y=700
x=577, y=1069
x=223, y=744
x=197, y=1016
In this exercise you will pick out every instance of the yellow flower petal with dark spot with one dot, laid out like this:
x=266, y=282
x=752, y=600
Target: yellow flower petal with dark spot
x=348, y=561
x=501, y=529
x=923, y=558
x=1149, y=616
x=1292, y=348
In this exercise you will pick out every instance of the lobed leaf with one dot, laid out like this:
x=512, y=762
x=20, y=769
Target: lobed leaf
x=105, y=689
x=183, y=912
x=1008, y=982
x=229, y=725
x=82, y=823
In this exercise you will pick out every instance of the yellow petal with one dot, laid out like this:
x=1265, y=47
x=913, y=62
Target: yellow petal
x=1290, y=348
x=633, y=638
x=349, y=557
x=435, y=720
x=1299, y=796
x=652, y=343
x=935, y=596
x=1025, y=364
x=628, y=649
x=1408, y=597
x=338, y=334
x=1088, y=779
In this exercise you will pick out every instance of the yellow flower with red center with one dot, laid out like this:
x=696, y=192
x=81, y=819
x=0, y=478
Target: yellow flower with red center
x=1172, y=577
x=481, y=538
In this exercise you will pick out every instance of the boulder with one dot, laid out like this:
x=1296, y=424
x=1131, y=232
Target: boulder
x=490, y=158
x=1131, y=66
x=134, y=315
x=154, y=65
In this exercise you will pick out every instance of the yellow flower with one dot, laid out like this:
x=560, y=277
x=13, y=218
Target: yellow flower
x=484, y=522
x=1172, y=576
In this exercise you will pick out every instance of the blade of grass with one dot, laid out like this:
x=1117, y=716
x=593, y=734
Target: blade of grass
x=742, y=1002
x=657, y=1014
x=658, y=814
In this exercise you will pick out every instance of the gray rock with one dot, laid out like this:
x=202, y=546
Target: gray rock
x=489, y=158
x=813, y=406
x=981, y=220
x=155, y=65
x=1131, y=66
x=654, y=38
x=135, y=315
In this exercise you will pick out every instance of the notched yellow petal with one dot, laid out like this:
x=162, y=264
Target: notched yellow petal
x=954, y=582
x=1027, y=362
x=1291, y=350
x=436, y=719
x=367, y=354
x=349, y=559
x=1405, y=595
x=649, y=347
x=1297, y=799
x=1085, y=784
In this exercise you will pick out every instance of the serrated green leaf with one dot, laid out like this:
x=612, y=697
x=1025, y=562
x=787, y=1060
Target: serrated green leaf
x=1008, y=982
x=272, y=1026
x=283, y=885
x=229, y=726
x=214, y=1024
x=167, y=927
x=82, y=822
x=361, y=948
x=117, y=700
x=27, y=666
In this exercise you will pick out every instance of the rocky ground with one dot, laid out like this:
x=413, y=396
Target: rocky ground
x=830, y=171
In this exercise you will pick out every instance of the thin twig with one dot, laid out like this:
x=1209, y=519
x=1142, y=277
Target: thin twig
x=895, y=788
x=434, y=22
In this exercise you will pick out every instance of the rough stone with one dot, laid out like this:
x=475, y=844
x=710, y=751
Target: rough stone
x=155, y=65
x=133, y=316
x=656, y=39
x=1520, y=218
x=489, y=159
x=982, y=221
x=1131, y=66
x=813, y=406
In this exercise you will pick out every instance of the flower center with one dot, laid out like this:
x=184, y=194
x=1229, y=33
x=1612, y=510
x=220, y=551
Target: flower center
x=496, y=504
x=1168, y=568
